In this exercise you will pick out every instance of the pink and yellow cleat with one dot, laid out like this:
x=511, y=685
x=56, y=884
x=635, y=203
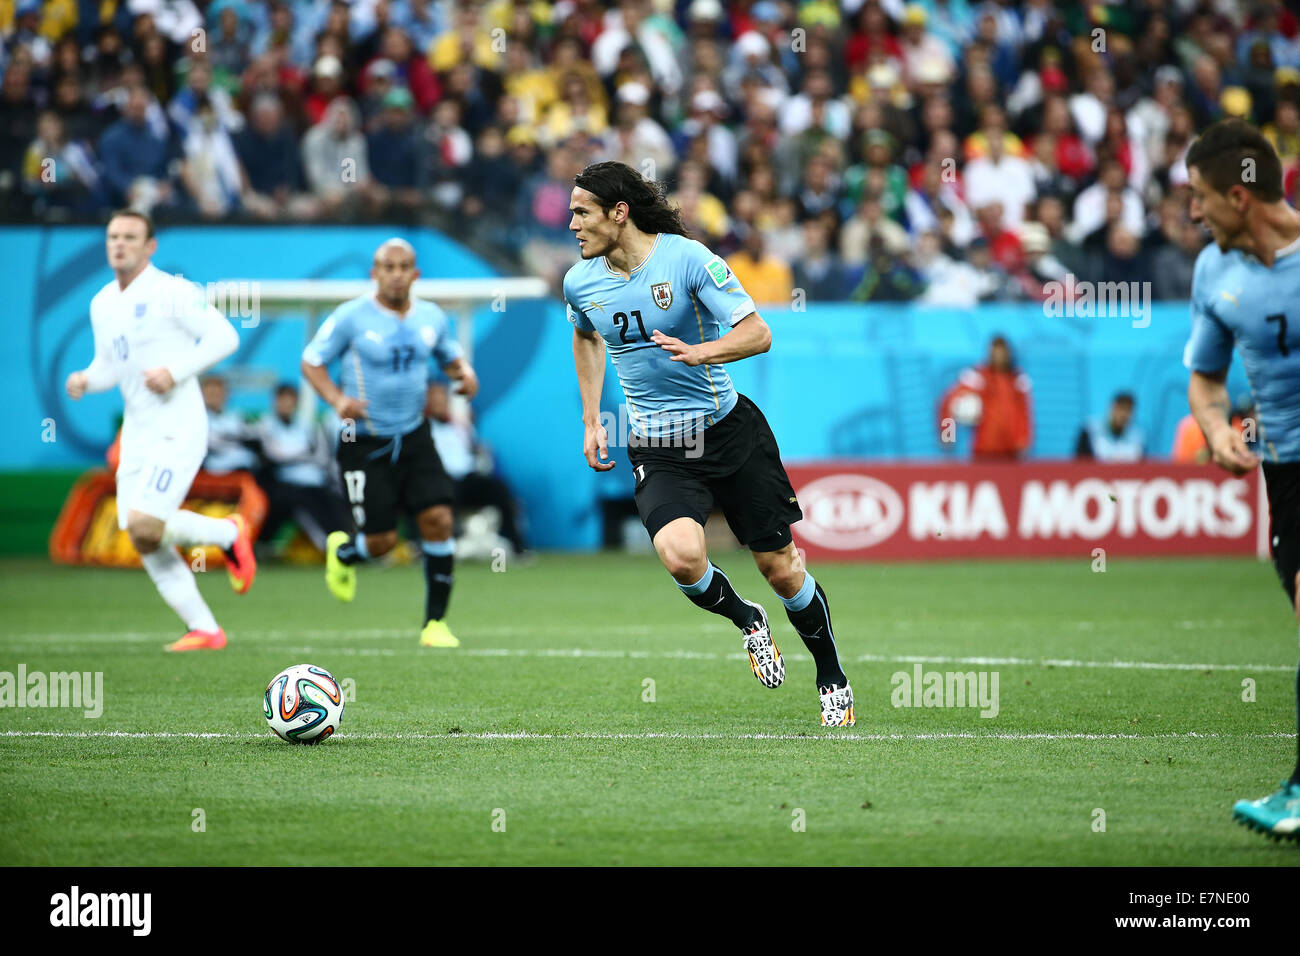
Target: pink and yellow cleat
x=200, y=641
x=240, y=563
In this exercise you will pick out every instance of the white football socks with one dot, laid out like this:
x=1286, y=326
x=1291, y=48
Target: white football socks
x=175, y=582
x=188, y=529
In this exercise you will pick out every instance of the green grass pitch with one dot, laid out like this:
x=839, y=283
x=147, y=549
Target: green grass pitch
x=1119, y=693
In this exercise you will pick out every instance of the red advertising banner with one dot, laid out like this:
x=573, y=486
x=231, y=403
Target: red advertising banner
x=863, y=511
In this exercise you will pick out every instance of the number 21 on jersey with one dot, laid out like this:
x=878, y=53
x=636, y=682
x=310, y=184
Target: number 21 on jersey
x=622, y=321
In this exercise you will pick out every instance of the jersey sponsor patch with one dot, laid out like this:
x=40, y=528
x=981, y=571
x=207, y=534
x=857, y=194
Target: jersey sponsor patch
x=663, y=294
x=718, y=271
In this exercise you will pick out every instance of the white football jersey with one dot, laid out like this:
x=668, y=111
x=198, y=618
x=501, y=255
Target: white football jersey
x=159, y=319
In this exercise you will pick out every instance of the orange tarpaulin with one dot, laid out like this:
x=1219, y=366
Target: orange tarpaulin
x=87, y=532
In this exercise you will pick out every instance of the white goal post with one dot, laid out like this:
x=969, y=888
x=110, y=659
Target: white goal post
x=316, y=298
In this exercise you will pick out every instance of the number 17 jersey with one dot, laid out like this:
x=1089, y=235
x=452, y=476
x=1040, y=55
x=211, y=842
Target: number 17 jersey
x=683, y=290
x=386, y=358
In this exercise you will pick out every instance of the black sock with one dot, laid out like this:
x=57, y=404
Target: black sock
x=1295, y=777
x=813, y=624
x=351, y=553
x=717, y=595
x=438, y=580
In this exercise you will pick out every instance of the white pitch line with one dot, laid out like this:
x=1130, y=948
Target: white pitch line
x=43, y=642
x=706, y=628
x=1054, y=662
x=528, y=735
x=609, y=654
x=136, y=637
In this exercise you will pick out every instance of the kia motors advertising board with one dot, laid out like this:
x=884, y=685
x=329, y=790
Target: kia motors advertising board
x=861, y=511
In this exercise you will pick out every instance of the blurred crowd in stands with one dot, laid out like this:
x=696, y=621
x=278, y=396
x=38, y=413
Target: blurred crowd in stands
x=946, y=151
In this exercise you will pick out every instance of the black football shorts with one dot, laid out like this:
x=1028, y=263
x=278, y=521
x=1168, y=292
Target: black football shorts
x=1282, y=481
x=734, y=464
x=383, y=475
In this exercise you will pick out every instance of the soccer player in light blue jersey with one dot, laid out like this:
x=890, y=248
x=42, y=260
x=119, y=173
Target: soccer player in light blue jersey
x=386, y=343
x=671, y=314
x=1246, y=293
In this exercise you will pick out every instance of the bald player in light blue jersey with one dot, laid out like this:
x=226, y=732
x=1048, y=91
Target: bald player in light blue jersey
x=386, y=344
x=671, y=314
x=1246, y=294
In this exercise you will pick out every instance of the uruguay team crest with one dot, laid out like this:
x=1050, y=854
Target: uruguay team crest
x=663, y=294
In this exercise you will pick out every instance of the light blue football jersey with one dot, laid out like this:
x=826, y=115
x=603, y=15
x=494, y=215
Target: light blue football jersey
x=385, y=359
x=683, y=290
x=1236, y=299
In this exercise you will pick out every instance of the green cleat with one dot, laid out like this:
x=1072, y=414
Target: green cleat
x=340, y=578
x=437, y=634
x=1277, y=815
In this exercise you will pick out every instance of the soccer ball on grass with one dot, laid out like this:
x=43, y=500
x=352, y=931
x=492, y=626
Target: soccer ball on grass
x=303, y=704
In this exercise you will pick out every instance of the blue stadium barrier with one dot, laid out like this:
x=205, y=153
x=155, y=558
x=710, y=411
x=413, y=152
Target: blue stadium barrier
x=841, y=381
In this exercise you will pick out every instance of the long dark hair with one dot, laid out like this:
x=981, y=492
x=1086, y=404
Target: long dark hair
x=614, y=182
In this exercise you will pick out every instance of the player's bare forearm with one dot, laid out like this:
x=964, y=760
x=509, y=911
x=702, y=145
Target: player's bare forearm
x=750, y=336
x=318, y=377
x=345, y=406
x=589, y=362
x=1207, y=397
x=462, y=372
x=435, y=403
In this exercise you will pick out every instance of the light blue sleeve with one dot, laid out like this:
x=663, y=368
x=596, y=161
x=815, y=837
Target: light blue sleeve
x=713, y=283
x=446, y=349
x=331, y=339
x=576, y=316
x=1209, y=349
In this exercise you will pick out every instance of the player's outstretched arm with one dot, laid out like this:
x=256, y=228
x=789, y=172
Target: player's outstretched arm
x=589, y=361
x=1207, y=396
x=749, y=336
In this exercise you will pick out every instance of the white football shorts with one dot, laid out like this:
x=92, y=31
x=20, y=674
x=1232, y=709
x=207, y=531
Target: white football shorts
x=156, y=479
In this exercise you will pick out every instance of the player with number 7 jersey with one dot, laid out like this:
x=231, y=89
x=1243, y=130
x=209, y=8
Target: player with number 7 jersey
x=671, y=314
x=1242, y=288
